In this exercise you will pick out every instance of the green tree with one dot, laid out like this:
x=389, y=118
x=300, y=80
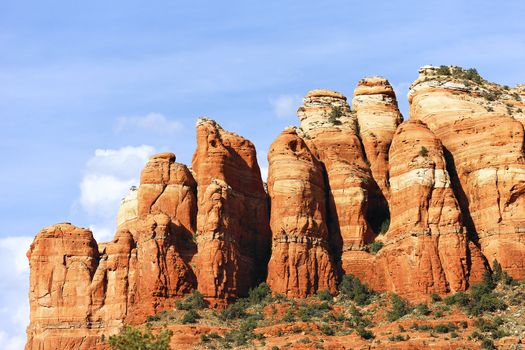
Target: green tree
x=131, y=338
x=399, y=309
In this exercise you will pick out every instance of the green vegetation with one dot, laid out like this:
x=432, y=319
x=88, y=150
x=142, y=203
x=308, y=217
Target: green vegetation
x=335, y=114
x=352, y=288
x=471, y=74
x=234, y=311
x=131, y=338
x=191, y=316
x=261, y=293
x=374, y=247
x=443, y=70
x=423, y=309
x=327, y=330
x=383, y=228
x=445, y=328
x=398, y=337
x=423, y=151
x=399, y=308
x=460, y=298
x=194, y=301
x=488, y=344
x=365, y=333
x=435, y=297
x=325, y=295
x=324, y=315
x=481, y=297
x=308, y=311
x=422, y=327
x=243, y=335
x=491, y=95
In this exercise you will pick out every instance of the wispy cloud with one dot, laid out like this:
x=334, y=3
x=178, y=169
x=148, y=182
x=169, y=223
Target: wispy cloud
x=152, y=122
x=109, y=175
x=285, y=106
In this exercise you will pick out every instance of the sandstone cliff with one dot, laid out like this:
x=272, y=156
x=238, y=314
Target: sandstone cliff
x=415, y=207
x=301, y=263
x=481, y=127
x=232, y=222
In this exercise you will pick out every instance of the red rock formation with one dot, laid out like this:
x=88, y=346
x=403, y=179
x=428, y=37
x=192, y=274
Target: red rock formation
x=453, y=176
x=63, y=259
x=480, y=124
x=378, y=117
x=232, y=221
x=92, y=289
x=300, y=264
x=426, y=248
x=331, y=132
x=168, y=187
x=426, y=245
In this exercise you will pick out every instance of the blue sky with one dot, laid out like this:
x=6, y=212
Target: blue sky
x=88, y=91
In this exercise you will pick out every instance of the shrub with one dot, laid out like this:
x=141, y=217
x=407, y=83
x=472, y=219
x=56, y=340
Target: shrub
x=383, y=228
x=443, y=70
x=234, y=311
x=243, y=334
x=398, y=337
x=498, y=333
x=490, y=95
x=325, y=295
x=425, y=327
x=498, y=275
x=191, y=316
x=327, y=330
x=435, y=297
x=259, y=294
x=485, y=325
x=352, y=288
x=487, y=302
x=399, y=308
x=423, y=309
x=472, y=74
x=131, y=338
x=374, y=247
x=335, y=114
x=152, y=318
x=459, y=298
x=423, y=151
x=288, y=316
x=445, y=328
x=488, y=344
x=364, y=333
x=307, y=311
x=193, y=301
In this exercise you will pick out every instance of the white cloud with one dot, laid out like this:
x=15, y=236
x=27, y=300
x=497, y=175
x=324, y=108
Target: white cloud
x=14, y=304
x=153, y=122
x=100, y=194
x=108, y=176
x=11, y=342
x=102, y=233
x=285, y=106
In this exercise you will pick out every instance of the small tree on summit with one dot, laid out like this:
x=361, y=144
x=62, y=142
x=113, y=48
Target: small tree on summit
x=335, y=114
x=423, y=152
